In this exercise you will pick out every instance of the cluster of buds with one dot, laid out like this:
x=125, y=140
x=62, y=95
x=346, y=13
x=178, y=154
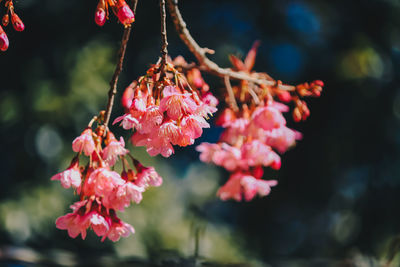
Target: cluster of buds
x=164, y=109
x=16, y=22
x=120, y=9
x=102, y=190
x=255, y=131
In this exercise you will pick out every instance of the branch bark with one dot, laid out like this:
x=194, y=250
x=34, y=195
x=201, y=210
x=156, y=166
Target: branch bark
x=204, y=61
x=164, y=46
x=114, y=80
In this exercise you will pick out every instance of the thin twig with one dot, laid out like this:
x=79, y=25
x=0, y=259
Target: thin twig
x=200, y=53
x=114, y=80
x=164, y=46
x=254, y=95
x=231, y=95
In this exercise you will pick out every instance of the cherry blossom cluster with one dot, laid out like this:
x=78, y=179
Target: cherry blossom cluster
x=120, y=9
x=16, y=22
x=102, y=190
x=166, y=108
x=255, y=132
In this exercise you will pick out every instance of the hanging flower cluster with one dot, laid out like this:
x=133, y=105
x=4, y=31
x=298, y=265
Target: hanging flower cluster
x=164, y=109
x=102, y=190
x=16, y=22
x=120, y=9
x=255, y=132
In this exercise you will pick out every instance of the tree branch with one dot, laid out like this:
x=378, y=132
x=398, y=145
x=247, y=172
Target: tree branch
x=210, y=66
x=114, y=80
x=164, y=46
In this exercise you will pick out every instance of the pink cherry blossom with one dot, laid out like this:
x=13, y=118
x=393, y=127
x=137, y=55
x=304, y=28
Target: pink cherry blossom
x=253, y=187
x=257, y=153
x=98, y=223
x=123, y=195
x=282, y=138
x=176, y=105
x=84, y=143
x=240, y=184
x=113, y=150
x=101, y=182
x=127, y=121
x=268, y=118
x=147, y=176
x=151, y=119
x=74, y=222
x=192, y=126
x=170, y=131
x=119, y=228
x=71, y=176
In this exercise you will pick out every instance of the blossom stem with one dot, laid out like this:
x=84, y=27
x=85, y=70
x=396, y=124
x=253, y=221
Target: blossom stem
x=232, y=100
x=204, y=61
x=114, y=80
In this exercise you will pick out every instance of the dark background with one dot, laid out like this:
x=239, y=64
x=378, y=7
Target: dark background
x=337, y=199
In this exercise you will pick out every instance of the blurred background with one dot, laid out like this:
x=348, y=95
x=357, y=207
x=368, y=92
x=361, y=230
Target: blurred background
x=337, y=199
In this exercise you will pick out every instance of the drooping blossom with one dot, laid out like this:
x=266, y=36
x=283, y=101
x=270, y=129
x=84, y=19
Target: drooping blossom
x=71, y=176
x=84, y=142
x=165, y=113
x=114, y=149
x=245, y=186
x=254, y=129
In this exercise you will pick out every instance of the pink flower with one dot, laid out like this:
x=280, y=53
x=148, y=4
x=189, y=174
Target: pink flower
x=123, y=195
x=101, y=182
x=240, y=184
x=253, y=187
x=268, y=118
x=232, y=189
x=98, y=223
x=207, y=151
x=71, y=176
x=118, y=228
x=221, y=154
x=176, y=105
x=208, y=105
x=150, y=119
x=74, y=222
x=170, y=131
x=127, y=121
x=84, y=143
x=256, y=153
x=113, y=150
x=147, y=176
x=192, y=126
x=282, y=138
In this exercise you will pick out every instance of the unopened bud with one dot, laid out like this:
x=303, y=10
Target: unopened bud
x=5, y=20
x=296, y=114
x=100, y=16
x=125, y=13
x=284, y=96
x=3, y=40
x=17, y=23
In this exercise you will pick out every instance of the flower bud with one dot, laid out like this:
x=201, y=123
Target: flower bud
x=125, y=13
x=100, y=16
x=5, y=20
x=3, y=40
x=284, y=96
x=296, y=114
x=17, y=23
